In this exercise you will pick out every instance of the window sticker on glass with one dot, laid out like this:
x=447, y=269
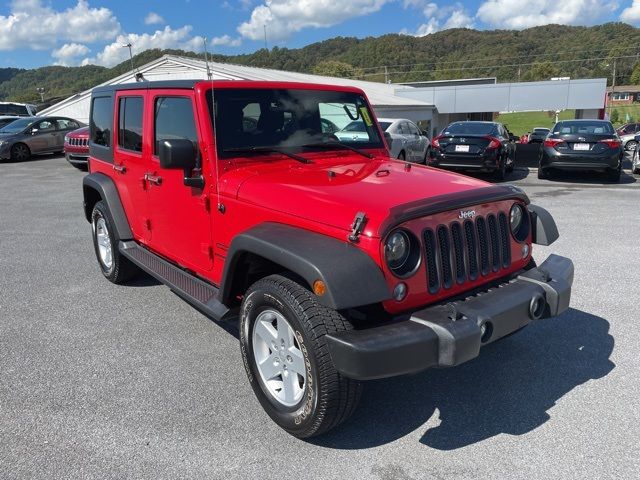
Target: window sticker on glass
x=365, y=116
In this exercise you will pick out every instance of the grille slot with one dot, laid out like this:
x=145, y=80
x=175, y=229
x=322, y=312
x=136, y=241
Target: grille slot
x=458, y=252
x=445, y=256
x=504, y=240
x=464, y=251
x=433, y=281
x=495, y=248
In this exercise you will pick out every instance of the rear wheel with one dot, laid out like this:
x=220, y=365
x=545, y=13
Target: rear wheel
x=631, y=145
x=543, y=173
x=500, y=174
x=115, y=267
x=284, y=349
x=511, y=162
x=20, y=152
x=614, y=175
x=635, y=166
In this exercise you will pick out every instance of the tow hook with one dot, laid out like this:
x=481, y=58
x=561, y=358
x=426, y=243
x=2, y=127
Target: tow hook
x=357, y=227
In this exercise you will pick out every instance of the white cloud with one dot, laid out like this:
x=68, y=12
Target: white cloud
x=36, y=26
x=153, y=18
x=284, y=17
x=225, y=40
x=631, y=14
x=519, y=14
x=438, y=18
x=69, y=53
x=115, y=53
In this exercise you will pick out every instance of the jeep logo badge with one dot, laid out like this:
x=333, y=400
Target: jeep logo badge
x=464, y=214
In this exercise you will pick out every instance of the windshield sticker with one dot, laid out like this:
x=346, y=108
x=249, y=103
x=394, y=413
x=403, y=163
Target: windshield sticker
x=365, y=116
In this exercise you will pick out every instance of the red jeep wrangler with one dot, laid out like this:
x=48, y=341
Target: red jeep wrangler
x=342, y=264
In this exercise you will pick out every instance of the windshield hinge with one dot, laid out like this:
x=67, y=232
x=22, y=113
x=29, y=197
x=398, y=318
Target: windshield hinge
x=357, y=227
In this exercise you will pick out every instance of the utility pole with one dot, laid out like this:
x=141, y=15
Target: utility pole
x=386, y=75
x=265, y=38
x=133, y=69
x=519, y=72
x=40, y=90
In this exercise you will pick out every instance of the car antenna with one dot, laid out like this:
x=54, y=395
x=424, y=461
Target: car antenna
x=219, y=204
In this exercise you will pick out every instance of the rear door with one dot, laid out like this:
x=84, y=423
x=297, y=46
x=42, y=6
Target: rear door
x=179, y=215
x=64, y=126
x=417, y=142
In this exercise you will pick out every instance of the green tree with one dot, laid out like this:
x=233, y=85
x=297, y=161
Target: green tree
x=635, y=75
x=335, y=68
x=615, y=116
x=542, y=71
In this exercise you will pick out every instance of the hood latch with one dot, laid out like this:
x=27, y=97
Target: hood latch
x=357, y=227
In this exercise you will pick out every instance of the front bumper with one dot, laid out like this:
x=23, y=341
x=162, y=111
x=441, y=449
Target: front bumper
x=448, y=335
x=77, y=159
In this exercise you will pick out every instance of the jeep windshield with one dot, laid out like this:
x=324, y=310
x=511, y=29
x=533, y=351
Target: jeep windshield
x=253, y=120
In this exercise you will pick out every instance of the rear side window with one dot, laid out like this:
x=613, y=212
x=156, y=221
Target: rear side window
x=67, y=124
x=101, y=121
x=130, y=123
x=174, y=120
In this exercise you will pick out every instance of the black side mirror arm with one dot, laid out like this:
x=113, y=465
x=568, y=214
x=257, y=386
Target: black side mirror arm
x=193, y=177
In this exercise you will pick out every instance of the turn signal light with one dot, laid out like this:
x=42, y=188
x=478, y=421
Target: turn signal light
x=436, y=141
x=553, y=142
x=319, y=288
x=493, y=143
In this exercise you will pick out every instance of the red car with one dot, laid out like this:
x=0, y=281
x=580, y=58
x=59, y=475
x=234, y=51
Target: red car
x=76, y=148
x=339, y=263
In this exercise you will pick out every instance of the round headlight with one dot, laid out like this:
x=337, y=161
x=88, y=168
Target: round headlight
x=402, y=253
x=519, y=222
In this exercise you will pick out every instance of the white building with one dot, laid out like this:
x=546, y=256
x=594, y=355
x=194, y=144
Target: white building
x=431, y=104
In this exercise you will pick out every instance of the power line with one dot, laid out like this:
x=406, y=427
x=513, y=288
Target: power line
x=484, y=67
x=572, y=52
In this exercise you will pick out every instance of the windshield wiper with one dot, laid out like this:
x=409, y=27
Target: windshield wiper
x=336, y=143
x=267, y=150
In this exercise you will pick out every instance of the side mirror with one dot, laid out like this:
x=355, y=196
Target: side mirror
x=424, y=133
x=34, y=131
x=182, y=153
x=177, y=153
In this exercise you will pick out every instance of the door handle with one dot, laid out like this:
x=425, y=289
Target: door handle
x=156, y=180
x=119, y=168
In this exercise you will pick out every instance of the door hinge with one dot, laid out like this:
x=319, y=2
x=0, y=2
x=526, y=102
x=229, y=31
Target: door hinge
x=210, y=250
x=207, y=204
x=148, y=224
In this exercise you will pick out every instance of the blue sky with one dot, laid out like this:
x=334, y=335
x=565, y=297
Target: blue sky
x=73, y=32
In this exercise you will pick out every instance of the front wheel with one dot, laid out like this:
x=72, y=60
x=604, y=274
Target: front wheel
x=284, y=349
x=631, y=145
x=20, y=152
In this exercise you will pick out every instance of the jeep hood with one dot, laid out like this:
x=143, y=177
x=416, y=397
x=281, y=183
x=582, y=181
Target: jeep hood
x=333, y=193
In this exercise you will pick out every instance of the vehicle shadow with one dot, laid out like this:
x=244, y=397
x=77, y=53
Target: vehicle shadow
x=509, y=388
x=34, y=158
x=590, y=178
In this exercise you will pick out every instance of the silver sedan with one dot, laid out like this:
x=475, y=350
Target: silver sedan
x=407, y=141
x=30, y=135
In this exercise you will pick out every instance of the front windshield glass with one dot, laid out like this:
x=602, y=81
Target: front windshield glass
x=247, y=118
x=17, y=126
x=470, y=128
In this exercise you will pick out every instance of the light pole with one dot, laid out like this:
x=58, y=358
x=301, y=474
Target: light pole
x=128, y=45
x=40, y=90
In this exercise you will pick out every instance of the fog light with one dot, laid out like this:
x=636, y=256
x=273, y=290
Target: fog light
x=525, y=251
x=400, y=292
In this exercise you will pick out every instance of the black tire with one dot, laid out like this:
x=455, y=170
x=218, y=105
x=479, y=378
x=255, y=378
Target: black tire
x=543, y=173
x=20, y=152
x=328, y=398
x=511, y=164
x=631, y=145
x=614, y=175
x=500, y=174
x=402, y=156
x=121, y=269
x=427, y=153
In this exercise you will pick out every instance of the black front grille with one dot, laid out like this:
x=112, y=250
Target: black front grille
x=79, y=142
x=464, y=251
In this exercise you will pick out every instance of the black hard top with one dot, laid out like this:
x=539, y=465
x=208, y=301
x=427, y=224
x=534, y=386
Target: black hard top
x=188, y=84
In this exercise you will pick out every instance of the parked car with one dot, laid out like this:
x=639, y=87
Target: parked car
x=628, y=137
x=18, y=109
x=582, y=145
x=302, y=238
x=628, y=128
x=33, y=135
x=7, y=119
x=477, y=146
x=635, y=159
x=76, y=148
x=538, y=135
x=407, y=141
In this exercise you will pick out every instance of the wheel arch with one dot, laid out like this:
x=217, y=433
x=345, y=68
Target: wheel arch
x=351, y=276
x=97, y=187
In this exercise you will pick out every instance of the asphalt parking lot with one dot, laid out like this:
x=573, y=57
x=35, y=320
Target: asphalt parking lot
x=105, y=381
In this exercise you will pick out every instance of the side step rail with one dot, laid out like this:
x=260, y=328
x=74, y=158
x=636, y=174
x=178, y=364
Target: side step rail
x=197, y=292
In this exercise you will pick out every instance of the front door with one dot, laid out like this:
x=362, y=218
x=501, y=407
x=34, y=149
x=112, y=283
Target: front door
x=43, y=137
x=179, y=215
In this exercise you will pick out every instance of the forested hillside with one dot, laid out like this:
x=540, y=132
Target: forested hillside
x=533, y=54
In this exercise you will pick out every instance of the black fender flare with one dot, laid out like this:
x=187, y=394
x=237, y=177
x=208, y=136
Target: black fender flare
x=351, y=276
x=108, y=192
x=545, y=230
